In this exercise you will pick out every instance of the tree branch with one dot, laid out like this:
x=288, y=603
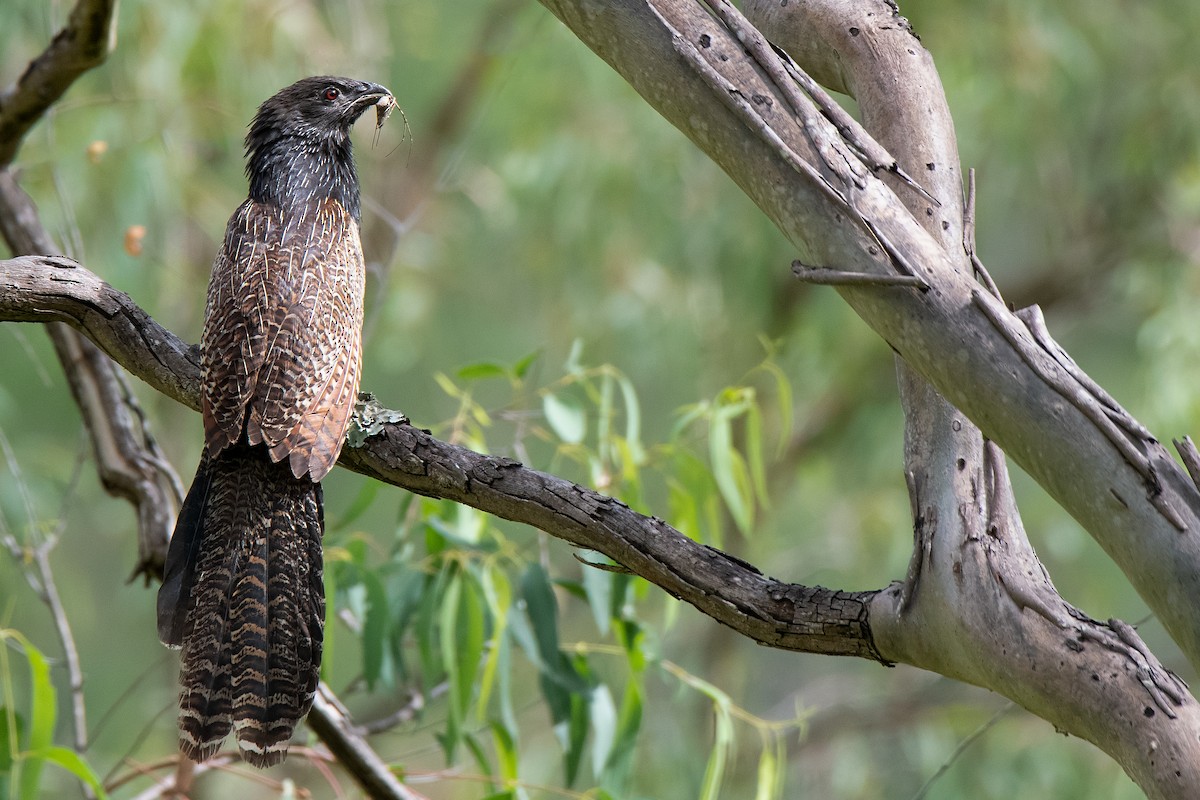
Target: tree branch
x=973, y=573
x=331, y=723
x=941, y=333
x=128, y=460
x=83, y=43
x=789, y=616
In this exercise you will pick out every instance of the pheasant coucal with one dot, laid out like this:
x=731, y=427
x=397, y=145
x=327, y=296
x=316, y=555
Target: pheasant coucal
x=279, y=360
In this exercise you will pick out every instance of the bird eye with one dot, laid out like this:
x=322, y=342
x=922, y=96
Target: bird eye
x=331, y=93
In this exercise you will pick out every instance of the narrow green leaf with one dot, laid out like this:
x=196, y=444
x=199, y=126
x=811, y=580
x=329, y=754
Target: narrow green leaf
x=604, y=726
x=497, y=593
x=41, y=717
x=598, y=586
x=714, y=772
x=520, y=368
x=335, y=558
x=521, y=631
x=404, y=589
x=566, y=417
x=70, y=761
x=508, y=713
x=754, y=454
x=471, y=629
x=563, y=687
x=11, y=729
x=450, y=662
x=481, y=759
x=685, y=514
x=402, y=519
x=783, y=394
x=633, y=420
x=505, y=744
x=574, y=365
x=633, y=640
x=376, y=617
x=462, y=649
x=620, y=583
x=687, y=415
x=446, y=385
x=770, y=775
x=470, y=524
x=619, y=764
x=481, y=371
x=729, y=471
x=576, y=735
x=427, y=625
x=604, y=415
x=542, y=610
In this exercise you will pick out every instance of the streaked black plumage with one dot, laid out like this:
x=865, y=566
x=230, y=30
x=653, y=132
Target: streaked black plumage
x=280, y=359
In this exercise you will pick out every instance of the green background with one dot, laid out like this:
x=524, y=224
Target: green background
x=558, y=208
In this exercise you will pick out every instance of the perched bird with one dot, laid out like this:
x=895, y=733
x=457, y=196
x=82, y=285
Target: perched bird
x=279, y=360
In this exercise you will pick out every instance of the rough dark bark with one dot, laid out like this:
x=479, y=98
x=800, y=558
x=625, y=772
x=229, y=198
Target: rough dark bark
x=783, y=615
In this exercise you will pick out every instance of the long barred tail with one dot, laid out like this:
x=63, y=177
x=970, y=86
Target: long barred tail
x=243, y=597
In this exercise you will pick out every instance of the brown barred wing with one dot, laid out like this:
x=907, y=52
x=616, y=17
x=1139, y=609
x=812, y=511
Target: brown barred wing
x=306, y=391
x=238, y=317
x=295, y=375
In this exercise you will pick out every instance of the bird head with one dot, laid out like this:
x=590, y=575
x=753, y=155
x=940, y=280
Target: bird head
x=320, y=108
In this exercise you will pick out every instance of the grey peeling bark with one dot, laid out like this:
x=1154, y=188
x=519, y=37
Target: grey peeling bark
x=1122, y=486
x=977, y=605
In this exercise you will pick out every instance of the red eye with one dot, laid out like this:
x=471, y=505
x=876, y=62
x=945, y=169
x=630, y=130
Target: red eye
x=332, y=93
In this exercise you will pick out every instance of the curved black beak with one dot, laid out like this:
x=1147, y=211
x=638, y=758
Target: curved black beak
x=372, y=94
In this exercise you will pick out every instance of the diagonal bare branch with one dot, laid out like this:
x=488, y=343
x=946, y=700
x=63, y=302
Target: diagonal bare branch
x=128, y=460
x=788, y=616
x=83, y=43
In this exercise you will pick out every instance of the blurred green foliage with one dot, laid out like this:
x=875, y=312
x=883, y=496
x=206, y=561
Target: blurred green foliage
x=558, y=276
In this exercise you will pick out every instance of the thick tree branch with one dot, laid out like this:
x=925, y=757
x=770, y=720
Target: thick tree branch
x=789, y=616
x=973, y=575
x=845, y=218
x=975, y=586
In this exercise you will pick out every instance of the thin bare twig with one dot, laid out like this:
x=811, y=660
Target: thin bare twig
x=34, y=562
x=331, y=722
x=981, y=271
x=1191, y=458
x=923, y=792
x=406, y=713
x=824, y=276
